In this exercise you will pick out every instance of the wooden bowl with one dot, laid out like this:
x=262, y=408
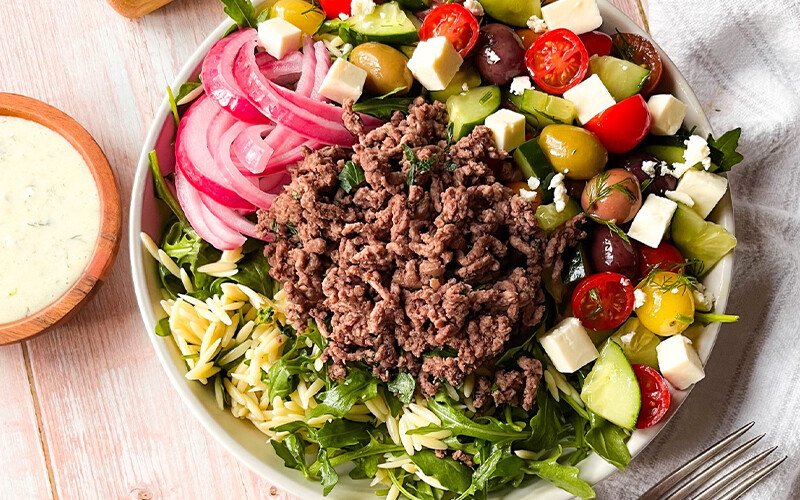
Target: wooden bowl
x=107, y=244
x=136, y=8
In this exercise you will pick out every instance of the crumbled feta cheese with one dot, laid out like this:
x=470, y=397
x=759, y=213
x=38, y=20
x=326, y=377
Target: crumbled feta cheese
x=464, y=87
x=474, y=7
x=343, y=16
x=628, y=337
x=491, y=56
x=361, y=8
x=534, y=182
x=703, y=299
x=649, y=168
x=697, y=152
x=527, y=195
x=520, y=84
x=560, y=196
x=679, y=197
x=638, y=299
x=666, y=169
x=537, y=24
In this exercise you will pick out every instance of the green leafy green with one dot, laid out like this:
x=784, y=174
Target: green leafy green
x=403, y=386
x=453, y=475
x=328, y=474
x=383, y=108
x=723, y=150
x=351, y=176
x=374, y=448
x=292, y=451
x=562, y=476
x=365, y=467
x=341, y=433
x=337, y=400
x=254, y=273
x=546, y=426
x=241, y=12
x=416, y=165
x=162, y=328
x=162, y=190
x=480, y=478
x=708, y=318
x=459, y=424
x=608, y=441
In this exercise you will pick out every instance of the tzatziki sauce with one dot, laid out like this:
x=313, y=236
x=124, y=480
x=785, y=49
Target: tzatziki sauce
x=49, y=217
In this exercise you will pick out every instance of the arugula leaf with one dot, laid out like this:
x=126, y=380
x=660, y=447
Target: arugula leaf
x=608, y=441
x=480, y=478
x=280, y=377
x=328, y=474
x=365, y=467
x=460, y=425
x=374, y=448
x=292, y=451
x=162, y=190
x=297, y=425
x=186, y=89
x=173, y=106
x=453, y=475
x=241, y=12
x=562, y=476
x=254, y=273
x=546, y=426
x=383, y=108
x=351, y=176
x=162, y=328
x=341, y=433
x=337, y=400
x=723, y=150
x=403, y=386
x=416, y=165
x=313, y=334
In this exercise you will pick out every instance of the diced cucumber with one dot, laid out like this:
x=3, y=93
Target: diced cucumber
x=638, y=343
x=467, y=74
x=407, y=50
x=532, y=161
x=699, y=239
x=611, y=389
x=388, y=24
x=541, y=109
x=622, y=78
x=549, y=219
x=414, y=5
x=515, y=13
x=670, y=154
x=471, y=108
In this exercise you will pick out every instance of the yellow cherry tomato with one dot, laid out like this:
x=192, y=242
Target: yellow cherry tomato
x=668, y=307
x=304, y=15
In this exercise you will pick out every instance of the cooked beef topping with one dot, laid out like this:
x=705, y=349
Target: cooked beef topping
x=429, y=266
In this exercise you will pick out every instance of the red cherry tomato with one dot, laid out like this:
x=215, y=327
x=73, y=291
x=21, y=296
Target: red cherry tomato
x=655, y=396
x=455, y=22
x=639, y=50
x=333, y=8
x=597, y=43
x=557, y=61
x=665, y=256
x=603, y=301
x=622, y=126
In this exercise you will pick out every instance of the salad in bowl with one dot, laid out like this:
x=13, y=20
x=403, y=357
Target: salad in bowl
x=434, y=250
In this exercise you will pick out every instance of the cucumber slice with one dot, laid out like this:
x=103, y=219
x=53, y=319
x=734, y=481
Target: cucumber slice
x=622, y=78
x=414, y=5
x=549, y=219
x=471, y=108
x=638, y=343
x=467, y=74
x=388, y=24
x=670, y=154
x=699, y=239
x=611, y=389
x=514, y=13
x=532, y=161
x=541, y=109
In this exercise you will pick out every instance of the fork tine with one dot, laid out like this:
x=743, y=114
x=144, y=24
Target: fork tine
x=717, y=486
x=681, y=472
x=708, y=473
x=751, y=481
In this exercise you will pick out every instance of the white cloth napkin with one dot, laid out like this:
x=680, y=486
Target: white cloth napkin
x=742, y=58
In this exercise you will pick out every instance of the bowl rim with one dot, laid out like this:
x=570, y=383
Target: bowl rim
x=593, y=469
x=108, y=239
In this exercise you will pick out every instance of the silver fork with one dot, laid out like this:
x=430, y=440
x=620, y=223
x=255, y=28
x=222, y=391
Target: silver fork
x=687, y=480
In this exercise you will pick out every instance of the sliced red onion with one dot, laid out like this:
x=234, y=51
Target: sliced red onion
x=205, y=224
x=241, y=184
x=232, y=218
x=251, y=150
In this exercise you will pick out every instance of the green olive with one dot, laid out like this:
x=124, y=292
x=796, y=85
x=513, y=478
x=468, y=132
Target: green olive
x=387, y=68
x=573, y=151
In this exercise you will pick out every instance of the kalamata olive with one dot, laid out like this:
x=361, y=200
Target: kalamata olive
x=386, y=68
x=613, y=195
x=500, y=54
x=573, y=151
x=574, y=188
x=609, y=252
x=658, y=183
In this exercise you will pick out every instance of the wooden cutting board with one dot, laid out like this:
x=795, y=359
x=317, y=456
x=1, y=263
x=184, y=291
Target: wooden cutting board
x=136, y=8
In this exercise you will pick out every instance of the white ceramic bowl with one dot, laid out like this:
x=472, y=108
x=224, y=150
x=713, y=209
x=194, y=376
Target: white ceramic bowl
x=239, y=436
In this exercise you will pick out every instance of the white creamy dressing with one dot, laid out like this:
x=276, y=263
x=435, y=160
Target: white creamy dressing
x=49, y=217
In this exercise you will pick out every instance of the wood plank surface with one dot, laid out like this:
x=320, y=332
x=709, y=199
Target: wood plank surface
x=111, y=425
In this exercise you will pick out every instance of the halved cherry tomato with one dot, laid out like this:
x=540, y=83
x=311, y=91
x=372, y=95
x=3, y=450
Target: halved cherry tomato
x=639, y=50
x=665, y=256
x=655, y=396
x=622, y=126
x=455, y=22
x=597, y=43
x=557, y=61
x=333, y=8
x=603, y=301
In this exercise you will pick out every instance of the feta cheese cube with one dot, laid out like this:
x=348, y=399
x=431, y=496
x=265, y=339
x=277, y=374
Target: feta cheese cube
x=279, y=37
x=667, y=113
x=679, y=362
x=344, y=80
x=537, y=24
x=580, y=16
x=704, y=188
x=590, y=97
x=569, y=346
x=679, y=197
x=434, y=63
x=508, y=128
x=652, y=221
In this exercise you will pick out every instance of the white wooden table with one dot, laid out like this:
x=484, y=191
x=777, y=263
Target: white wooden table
x=86, y=411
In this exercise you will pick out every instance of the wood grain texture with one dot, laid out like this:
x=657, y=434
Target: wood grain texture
x=112, y=427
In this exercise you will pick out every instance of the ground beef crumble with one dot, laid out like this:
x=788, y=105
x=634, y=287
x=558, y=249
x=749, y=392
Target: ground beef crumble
x=434, y=278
